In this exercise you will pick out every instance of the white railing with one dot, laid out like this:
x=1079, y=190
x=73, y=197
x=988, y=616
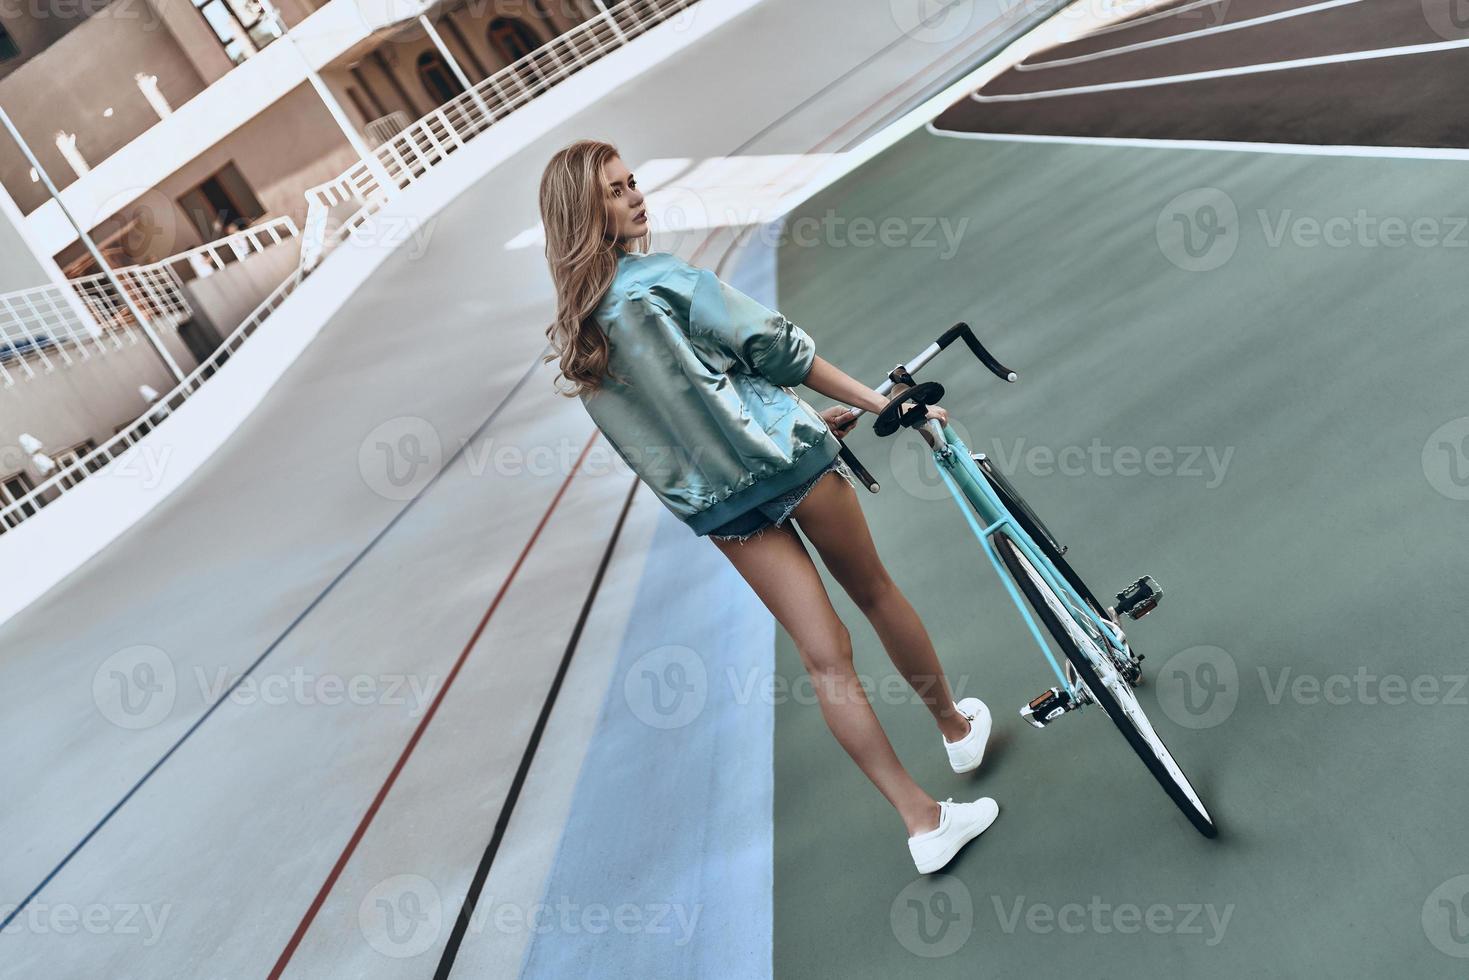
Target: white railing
x=350, y=199
x=410, y=153
x=383, y=128
x=78, y=468
x=41, y=331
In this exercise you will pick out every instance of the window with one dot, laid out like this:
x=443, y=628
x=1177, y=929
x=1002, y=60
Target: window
x=221, y=205
x=72, y=454
x=440, y=83
x=240, y=25
x=514, y=39
x=12, y=488
x=8, y=48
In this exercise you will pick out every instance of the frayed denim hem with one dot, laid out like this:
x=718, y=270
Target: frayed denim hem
x=839, y=465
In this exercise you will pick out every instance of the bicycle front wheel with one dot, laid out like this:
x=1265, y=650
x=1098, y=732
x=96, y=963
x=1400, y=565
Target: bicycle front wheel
x=1089, y=654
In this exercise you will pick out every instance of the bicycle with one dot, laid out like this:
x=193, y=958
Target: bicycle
x=1101, y=668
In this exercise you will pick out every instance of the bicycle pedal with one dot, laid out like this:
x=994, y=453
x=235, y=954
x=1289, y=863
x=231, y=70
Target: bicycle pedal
x=1139, y=598
x=1047, y=706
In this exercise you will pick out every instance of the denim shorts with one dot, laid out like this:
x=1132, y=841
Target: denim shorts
x=774, y=512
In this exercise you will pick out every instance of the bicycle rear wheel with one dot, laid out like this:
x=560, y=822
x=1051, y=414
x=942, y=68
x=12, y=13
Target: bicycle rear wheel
x=1088, y=653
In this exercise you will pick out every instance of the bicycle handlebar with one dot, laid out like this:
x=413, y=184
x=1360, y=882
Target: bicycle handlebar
x=955, y=332
x=905, y=372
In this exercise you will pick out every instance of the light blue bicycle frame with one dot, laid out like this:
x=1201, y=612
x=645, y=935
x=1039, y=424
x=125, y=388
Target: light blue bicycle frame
x=973, y=493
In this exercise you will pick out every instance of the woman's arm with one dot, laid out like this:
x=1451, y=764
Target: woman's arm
x=828, y=379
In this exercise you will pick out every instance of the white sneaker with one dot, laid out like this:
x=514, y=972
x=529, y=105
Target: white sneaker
x=959, y=823
x=966, y=754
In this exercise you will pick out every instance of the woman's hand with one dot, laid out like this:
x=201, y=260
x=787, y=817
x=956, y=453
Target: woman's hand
x=839, y=419
x=935, y=412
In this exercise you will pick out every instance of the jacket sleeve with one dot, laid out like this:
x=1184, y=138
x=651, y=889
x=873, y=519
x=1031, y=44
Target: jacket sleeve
x=759, y=338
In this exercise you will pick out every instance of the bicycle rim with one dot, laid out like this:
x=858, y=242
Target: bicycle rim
x=1105, y=685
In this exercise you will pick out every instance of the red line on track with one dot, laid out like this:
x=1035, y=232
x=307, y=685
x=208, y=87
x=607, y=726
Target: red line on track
x=382, y=793
x=377, y=802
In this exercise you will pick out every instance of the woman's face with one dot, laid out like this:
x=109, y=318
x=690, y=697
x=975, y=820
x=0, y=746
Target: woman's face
x=627, y=218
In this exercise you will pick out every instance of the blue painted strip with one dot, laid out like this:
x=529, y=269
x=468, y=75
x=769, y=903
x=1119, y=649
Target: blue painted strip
x=664, y=866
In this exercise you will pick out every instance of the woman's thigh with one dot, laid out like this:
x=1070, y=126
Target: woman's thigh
x=831, y=517
x=778, y=568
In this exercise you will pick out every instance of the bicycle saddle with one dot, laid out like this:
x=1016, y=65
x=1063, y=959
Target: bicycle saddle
x=892, y=414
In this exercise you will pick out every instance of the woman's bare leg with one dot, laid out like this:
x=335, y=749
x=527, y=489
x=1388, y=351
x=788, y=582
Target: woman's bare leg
x=778, y=568
x=831, y=518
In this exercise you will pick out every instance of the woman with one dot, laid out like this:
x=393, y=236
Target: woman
x=689, y=380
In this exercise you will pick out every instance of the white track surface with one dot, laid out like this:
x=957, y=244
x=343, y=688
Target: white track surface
x=281, y=546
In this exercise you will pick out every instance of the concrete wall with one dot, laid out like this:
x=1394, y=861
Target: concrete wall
x=90, y=399
x=224, y=298
x=292, y=145
x=86, y=72
x=387, y=75
x=93, y=398
x=19, y=266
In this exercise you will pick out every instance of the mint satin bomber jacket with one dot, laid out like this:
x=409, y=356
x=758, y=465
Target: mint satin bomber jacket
x=707, y=419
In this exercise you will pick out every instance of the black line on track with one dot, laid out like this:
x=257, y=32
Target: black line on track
x=522, y=772
x=23, y=903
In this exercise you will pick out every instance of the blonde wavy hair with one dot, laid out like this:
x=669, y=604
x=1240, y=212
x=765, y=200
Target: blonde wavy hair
x=580, y=250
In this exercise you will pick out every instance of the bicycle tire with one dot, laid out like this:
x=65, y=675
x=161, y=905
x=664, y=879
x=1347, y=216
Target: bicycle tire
x=1039, y=533
x=1115, y=699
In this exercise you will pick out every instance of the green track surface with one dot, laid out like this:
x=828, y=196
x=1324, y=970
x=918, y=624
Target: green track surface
x=1333, y=546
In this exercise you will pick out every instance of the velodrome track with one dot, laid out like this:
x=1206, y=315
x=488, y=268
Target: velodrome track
x=1317, y=541
x=282, y=725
